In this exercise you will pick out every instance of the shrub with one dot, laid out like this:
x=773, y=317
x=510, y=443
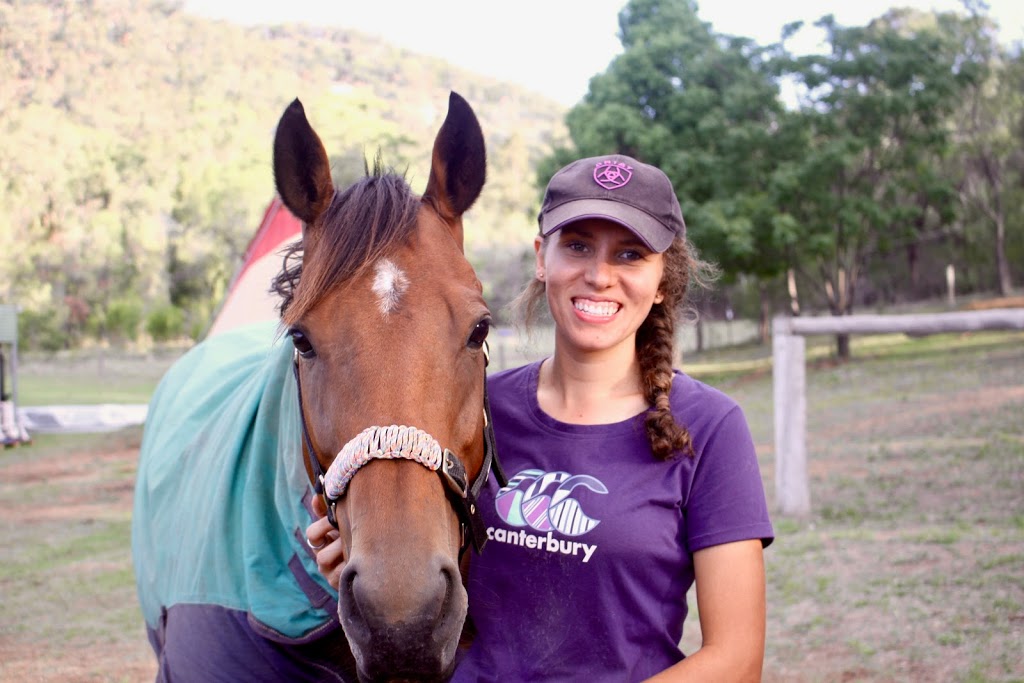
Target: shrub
x=124, y=317
x=41, y=331
x=165, y=323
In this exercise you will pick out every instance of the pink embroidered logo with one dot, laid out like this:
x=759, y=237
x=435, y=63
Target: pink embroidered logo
x=612, y=175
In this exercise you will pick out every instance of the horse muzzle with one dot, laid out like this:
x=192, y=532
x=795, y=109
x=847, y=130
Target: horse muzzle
x=401, y=630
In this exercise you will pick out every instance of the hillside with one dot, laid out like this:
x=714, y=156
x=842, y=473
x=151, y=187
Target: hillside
x=137, y=143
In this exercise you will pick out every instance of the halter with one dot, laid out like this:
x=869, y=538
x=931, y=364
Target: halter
x=410, y=443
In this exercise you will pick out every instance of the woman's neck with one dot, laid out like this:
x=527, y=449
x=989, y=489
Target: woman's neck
x=587, y=388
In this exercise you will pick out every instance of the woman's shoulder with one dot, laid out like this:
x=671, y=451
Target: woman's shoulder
x=691, y=399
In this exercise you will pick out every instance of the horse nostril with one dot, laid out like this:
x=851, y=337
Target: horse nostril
x=452, y=578
x=348, y=605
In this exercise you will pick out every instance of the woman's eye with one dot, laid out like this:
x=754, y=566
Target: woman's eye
x=479, y=334
x=301, y=343
x=631, y=255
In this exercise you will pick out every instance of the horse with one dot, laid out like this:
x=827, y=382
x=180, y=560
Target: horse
x=379, y=359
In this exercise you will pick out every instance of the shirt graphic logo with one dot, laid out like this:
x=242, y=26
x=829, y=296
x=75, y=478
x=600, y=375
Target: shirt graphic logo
x=542, y=501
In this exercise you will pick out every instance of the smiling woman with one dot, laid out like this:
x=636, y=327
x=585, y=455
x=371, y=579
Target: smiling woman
x=643, y=479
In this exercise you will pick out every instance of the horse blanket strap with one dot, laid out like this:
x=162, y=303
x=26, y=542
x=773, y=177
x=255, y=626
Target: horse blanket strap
x=410, y=443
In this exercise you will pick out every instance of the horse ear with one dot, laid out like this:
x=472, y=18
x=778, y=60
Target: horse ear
x=458, y=166
x=302, y=171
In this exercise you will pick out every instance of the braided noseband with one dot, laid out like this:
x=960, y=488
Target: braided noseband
x=410, y=443
x=395, y=441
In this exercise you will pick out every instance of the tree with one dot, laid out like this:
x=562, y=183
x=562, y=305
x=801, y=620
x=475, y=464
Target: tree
x=704, y=108
x=873, y=121
x=991, y=150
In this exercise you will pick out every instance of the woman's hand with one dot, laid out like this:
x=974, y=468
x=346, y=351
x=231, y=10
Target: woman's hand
x=326, y=543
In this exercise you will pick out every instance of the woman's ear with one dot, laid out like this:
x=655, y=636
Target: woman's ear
x=538, y=248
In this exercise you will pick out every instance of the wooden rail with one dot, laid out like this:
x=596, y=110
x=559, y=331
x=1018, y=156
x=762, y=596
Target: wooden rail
x=789, y=390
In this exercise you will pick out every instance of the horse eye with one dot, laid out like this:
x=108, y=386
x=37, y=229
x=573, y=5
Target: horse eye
x=302, y=344
x=479, y=334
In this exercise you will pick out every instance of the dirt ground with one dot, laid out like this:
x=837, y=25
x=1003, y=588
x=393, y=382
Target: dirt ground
x=70, y=611
x=911, y=567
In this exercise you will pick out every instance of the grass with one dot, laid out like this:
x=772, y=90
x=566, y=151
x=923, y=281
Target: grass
x=91, y=377
x=83, y=390
x=909, y=568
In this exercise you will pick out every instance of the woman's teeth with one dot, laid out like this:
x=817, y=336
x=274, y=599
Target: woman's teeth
x=601, y=308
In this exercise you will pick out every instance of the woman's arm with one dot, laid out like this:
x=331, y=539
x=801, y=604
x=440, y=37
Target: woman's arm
x=731, y=602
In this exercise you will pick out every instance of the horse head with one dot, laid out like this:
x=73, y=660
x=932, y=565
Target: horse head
x=388, y=321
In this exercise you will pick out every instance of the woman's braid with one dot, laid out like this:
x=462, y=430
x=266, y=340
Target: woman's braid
x=654, y=346
x=655, y=350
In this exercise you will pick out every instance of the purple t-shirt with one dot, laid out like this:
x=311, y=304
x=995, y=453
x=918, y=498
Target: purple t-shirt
x=591, y=543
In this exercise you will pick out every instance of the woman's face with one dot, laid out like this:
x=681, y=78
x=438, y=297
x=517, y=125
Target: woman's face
x=601, y=281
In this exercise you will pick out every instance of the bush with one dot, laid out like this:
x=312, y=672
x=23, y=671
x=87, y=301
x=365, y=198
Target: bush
x=41, y=331
x=165, y=323
x=123, y=318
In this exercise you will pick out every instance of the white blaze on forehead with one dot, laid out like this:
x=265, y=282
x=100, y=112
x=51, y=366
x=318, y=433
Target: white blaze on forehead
x=388, y=284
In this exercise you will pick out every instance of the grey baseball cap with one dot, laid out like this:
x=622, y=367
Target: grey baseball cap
x=618, y=188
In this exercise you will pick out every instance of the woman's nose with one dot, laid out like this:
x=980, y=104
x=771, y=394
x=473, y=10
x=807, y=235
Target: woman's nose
x=600, y=273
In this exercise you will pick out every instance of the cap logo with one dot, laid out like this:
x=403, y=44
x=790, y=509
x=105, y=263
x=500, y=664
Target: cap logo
x=611, y=175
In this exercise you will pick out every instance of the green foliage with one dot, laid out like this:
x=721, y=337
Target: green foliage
x=897, y=125
x=991, y=159
x=137, y=144
x=123, y=317
x=40, y=330
x=165, y=323
x=701, y=106
x=136, y=153
x=872, y=133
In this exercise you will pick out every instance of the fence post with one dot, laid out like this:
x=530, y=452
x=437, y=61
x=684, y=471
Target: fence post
x=792, y=491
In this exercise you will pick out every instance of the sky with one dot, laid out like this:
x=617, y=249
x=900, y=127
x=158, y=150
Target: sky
x=553, y=47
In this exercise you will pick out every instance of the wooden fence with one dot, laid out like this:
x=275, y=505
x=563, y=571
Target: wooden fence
x=792, y=491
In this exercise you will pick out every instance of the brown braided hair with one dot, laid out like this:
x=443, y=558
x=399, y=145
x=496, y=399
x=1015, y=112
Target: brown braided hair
x=655, y=341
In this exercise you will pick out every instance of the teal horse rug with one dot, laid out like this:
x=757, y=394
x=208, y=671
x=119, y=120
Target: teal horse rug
x=225, y=579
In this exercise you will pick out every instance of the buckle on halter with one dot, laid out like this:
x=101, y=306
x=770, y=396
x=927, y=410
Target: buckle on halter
x=454, y=473
x=332, y=512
